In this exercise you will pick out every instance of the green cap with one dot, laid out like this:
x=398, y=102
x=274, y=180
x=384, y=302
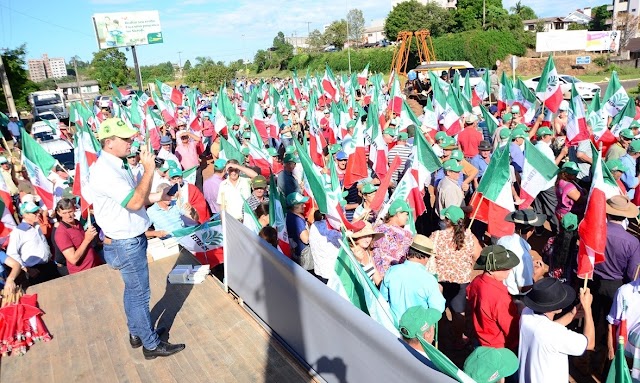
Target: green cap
x=246, y=135
x=456, y=155
x=570, y=167
x=335, y=148
x=518, y=133
x=403, y=136
x=505, y=133
x=453, y=213
x=399, y=206
x=245, y=151
x=626, y=133
x=289, y=157
x=441, y=136
x=259, y=182
x=544, y=131
x=449, y=143
x=175, y=172
x=634, y=146
x=488, y=364
x=219, y=164
x=296, y=198
x=115, y=127
x=507, y=117
x=452, y=165
x=418, y=319
x=616, y=166
x=164, y=167
x=369, y=188
x=351, y=124
x=390, y=131
x=235, y=121
x=569, y=222
x=290, y=149
x=496, y=258
x=28, y=207
x=272, y=152
x=515, y=109
x=523, y=127
x=172, y=164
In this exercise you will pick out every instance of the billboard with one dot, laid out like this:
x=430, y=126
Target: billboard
x=124, y=29
x=608, y=41
x=582, y=40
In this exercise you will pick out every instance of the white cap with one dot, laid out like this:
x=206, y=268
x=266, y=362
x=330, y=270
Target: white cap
x=3, y=160
x=564, y=105
x=476, y=110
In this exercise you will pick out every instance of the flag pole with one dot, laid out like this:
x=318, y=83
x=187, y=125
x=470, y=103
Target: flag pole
x=475, y=211
x=6, y=145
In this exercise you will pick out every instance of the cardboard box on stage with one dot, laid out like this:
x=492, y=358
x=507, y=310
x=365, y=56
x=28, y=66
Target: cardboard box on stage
x=188, y=274
x=161, y=248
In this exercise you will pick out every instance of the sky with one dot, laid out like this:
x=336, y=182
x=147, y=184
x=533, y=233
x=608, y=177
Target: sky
x=225, y=30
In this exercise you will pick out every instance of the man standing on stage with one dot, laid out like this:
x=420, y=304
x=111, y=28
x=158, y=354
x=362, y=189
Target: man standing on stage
x=119, y=207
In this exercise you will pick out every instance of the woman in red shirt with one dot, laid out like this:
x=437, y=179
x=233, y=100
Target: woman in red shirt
x=75, y=244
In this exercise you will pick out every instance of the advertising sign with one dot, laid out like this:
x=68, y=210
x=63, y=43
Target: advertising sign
x=556, y=41
x=583, y=60
x=607, y=41
x=124, y=29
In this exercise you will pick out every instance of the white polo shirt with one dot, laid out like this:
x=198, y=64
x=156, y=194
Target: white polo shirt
x=28, y=246
x=232, y=197
x=544, y=349
x=112, y=186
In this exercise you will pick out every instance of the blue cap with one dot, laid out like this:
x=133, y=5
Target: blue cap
x=341, y=155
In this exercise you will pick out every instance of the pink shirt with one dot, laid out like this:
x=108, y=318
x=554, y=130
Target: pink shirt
x=187, y=154
x=565, y=204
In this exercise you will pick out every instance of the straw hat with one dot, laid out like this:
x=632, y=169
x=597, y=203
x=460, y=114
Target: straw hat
x=365, y=232
x=621, y=206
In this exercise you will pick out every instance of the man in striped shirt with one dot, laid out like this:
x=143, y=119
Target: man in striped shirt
x=403, y=150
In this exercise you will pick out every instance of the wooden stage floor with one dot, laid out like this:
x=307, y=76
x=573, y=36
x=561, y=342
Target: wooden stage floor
x=85, y=316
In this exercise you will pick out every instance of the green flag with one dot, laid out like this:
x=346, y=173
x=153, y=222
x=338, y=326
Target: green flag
x=619, y=370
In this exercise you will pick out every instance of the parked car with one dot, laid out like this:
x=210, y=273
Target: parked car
x=51, y=142
x=104, y=102
x=586, y=90
x=330, y=48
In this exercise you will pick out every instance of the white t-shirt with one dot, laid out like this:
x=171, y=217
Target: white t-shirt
x=112, y=186
x=522, y=274
x=544, y=349
x=232, y=197
x=325, y=246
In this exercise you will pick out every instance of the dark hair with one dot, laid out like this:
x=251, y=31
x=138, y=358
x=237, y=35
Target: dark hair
x=412, y=253
x=458, y=232
x=318, y=216
x=522, y=228
x=65, y=204
x=262, y=209
x=270, y=235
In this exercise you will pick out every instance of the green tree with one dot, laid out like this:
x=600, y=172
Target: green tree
x=110, y=66
x=599, y=17
x=21, y=86
x=315, y=40
x=187, y=66
x=336, y=34
x=413, y=16
x=355, y=18
x=525, y=12
x=163, y=72
x=209, y=75
x=282, y=52
x=468, y=14
x=577, y=27
x=48, y=84
x=261, y=60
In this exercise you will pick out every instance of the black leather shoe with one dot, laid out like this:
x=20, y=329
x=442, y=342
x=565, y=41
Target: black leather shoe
x=136, y=342
x=163, y=349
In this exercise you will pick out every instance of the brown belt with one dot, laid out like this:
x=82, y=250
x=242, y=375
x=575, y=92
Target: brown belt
x=107, y=240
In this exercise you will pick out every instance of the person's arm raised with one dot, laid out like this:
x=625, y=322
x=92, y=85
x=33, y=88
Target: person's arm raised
x=141, y=194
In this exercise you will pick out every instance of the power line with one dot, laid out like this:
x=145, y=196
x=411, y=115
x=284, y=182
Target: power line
x=45, y=21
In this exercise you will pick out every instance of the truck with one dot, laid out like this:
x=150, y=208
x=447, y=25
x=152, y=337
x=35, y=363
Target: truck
x=49, y=101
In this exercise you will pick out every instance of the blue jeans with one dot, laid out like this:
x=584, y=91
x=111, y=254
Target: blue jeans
x=129, y=256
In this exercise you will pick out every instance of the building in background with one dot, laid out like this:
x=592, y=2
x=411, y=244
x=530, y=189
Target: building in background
x=374, y=32
x=90, y=90
x=442, y=3
x=45, y=67
x=623, y=12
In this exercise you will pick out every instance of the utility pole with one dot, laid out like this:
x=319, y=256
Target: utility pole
x=136, y=67
x=349, y=45
x=308, y=33
x=484, y=12
x=75, y=68
x=6, y=88
x=179, y=60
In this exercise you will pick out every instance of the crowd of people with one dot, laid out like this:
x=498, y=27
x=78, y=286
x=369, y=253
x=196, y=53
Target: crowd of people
x=515, y=302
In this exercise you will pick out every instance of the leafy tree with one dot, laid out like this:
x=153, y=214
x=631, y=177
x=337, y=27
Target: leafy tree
x=336, y=33
x=110, y=66
x=525, y=12
x=209, y=75
x=315, y=40
x=355, y=18
x=577, y=27
x=468, y=14
x=261, y=60
x=163, y=72
x=48, y=84
x=21, y=86
x=497, y=18
x=599, y=17
x=187, y=66
x=282, y=52
x=413, y=16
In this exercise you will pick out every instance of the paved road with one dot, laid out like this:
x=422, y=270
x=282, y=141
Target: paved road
x=626, y=84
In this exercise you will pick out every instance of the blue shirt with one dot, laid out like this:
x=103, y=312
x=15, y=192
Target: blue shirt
x=622, y=255
x=165, y=220
x=439, y=176
x=479, y=163
x=295, y=226
x=629, y=178
x=410, y=284
x=517, y=157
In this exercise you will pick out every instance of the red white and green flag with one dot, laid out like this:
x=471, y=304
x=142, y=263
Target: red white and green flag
x=576, y=122
x=429, y=117
x=425, y=161
x=277, y=216
x=410, y=191
x=378, y=148
x=250, y=221
x=362, y=76
x=481, y=90
x=39, y=165
x=395, y=97
x=624, y=118
x=505, y=92
x=493, y=199
x=329, y=85
x=316, y=139
x=258, y=156
x=357, y=168
x=170, y=93
x=167, y=115
x=548, y=89
x=451, y=115
x=615, y=97
x=525, y=99
x=491, y=121
x=597, y=119
x=538, y=174
x=86, y=152
x=444, y=364
x=204, y=241
x=593, y=227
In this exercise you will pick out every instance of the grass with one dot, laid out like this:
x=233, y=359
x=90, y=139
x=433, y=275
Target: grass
x=607, y=76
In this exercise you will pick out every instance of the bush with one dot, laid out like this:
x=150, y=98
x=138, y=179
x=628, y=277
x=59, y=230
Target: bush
x=480, y=48
x=601, y=61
